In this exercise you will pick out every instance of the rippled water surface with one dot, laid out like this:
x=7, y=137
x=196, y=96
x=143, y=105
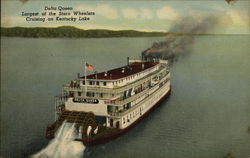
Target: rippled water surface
x=207, y=115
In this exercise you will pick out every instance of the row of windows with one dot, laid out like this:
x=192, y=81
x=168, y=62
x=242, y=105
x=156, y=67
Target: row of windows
x=114, y=83
x=130, y=77
x=95, y=83
x=132, y=115
x=91, y=94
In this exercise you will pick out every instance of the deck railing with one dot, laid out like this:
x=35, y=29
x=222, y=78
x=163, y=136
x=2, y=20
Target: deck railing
x=60, y=104
x=124, y=112
x=114, y=90
x=134, y=97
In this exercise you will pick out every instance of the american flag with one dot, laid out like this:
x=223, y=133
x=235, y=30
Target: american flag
x=89, y=67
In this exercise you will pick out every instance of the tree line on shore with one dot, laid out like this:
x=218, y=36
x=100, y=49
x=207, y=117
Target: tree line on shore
x=73, y=32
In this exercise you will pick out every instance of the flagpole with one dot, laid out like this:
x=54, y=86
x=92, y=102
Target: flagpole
x=85, y=79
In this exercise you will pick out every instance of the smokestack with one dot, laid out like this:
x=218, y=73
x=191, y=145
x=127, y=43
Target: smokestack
x=127, y=60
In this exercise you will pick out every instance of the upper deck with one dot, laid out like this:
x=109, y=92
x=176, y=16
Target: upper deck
x=114, y=88
x=122, y=72
x=134, y=71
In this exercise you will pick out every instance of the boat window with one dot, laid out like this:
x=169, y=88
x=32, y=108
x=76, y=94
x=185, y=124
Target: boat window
x=79, y=93
x=90, y=94
x=101, y=95
x=111, y=122
x=83, y=82
x=97, y=83
x=104, y=83
x=117, y=124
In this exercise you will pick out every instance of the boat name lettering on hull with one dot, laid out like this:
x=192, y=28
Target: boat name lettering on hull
x=83, y=100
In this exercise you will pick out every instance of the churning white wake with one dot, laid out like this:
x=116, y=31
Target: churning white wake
x=63, y=145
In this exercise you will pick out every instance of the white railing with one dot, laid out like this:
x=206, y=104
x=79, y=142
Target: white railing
x=114, y=90
x=138, y=95
x=124, y=112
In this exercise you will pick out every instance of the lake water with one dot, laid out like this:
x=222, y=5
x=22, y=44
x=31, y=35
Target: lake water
x=207, y=115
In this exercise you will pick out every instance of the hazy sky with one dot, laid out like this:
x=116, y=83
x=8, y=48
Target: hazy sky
x=139, y=15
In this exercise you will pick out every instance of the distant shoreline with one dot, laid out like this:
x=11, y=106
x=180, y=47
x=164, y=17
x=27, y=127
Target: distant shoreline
x=73, y=32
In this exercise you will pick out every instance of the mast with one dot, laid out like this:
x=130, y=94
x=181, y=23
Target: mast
x=85, y=75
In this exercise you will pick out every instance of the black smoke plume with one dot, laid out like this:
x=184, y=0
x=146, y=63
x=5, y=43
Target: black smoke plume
x=180, y=38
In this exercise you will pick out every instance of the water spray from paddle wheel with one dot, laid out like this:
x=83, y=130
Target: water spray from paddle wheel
x=86, y=124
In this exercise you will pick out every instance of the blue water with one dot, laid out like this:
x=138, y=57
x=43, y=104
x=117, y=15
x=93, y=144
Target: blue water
x=207, y=115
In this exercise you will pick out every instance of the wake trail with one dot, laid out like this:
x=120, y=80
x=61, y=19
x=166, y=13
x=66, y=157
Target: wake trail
x=63, y=145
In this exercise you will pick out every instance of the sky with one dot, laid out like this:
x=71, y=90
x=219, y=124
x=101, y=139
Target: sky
x=137, y=15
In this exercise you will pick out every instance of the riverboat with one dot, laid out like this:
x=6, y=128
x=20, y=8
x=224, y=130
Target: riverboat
x=105, y=105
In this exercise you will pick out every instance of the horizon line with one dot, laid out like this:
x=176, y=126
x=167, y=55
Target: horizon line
x=128, y=29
